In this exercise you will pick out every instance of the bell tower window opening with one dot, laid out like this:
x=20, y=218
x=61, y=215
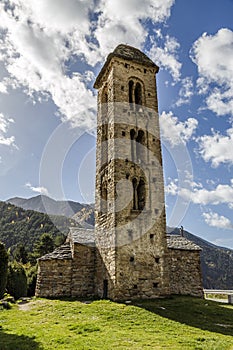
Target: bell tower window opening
x=104, y=196
x=138, y=94
x=104, y=103
x=140, y=141
x=141, y=194
x=132, y=137
x=104, y=144
x=135, y=196
x=131, y=86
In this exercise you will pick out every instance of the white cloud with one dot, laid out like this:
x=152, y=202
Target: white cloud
x=174, y=131
x=197, y=194
x=4, y=126
x=213, y=56
x=221, y=194
x=41, y=190
x=217, y=148
x=216, y=220
x=40, y=38
x=61, y=16
x=186, y=91
x=172, y=187
x=166, y=57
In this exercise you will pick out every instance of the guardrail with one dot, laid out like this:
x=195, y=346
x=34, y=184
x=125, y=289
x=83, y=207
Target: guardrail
x=228, y=292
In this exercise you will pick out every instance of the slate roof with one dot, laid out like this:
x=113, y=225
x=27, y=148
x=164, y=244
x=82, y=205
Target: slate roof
x=82, y=236
x=181, y=243
x=128, y=53
x=63, y=252
x=87, y=237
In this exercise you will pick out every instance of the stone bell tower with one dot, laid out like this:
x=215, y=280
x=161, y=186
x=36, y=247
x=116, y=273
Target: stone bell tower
x=130, y=231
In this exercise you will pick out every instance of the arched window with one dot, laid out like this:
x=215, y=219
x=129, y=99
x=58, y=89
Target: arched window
x=138, y=94
x=131, y=83
x=140, y=141
x=104, y=103
x=104, y=144
x=132, y=137
x=141, y=194
x=135, y=196
x=104, y=196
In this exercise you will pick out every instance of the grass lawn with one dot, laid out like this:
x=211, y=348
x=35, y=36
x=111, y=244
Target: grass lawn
x=174, y=323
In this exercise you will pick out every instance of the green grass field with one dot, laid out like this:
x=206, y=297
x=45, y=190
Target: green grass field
x=174, y=323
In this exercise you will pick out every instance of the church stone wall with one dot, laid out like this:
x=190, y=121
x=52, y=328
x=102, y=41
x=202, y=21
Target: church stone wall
x=185, y=272
x=83, y=271
x=54, y=278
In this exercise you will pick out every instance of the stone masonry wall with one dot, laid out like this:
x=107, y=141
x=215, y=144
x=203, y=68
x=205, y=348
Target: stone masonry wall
x=185, y=272
x=83, y=271
x=54, y=278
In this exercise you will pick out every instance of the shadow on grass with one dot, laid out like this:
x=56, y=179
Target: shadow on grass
x=199, y=313
x=17, y=342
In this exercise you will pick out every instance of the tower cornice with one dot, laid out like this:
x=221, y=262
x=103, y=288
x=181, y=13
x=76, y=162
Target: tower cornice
x=127, y=53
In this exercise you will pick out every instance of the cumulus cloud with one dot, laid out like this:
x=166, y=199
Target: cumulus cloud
x=197, y=194
x=38, y=40
x=217, y=148
x=221, y=194
x=172, y=187
x=167, y=56
x=216, y=220
x=213, y=57
x=186, y=91
x=41, y=190
x=175, y=131
x=4, y=126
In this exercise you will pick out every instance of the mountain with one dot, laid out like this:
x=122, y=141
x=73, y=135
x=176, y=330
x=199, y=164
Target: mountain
x=44, y=204
x=19, y=226
x=216, y=262
x=85, y=217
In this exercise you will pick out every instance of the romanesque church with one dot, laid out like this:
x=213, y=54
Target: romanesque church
x=128, y=255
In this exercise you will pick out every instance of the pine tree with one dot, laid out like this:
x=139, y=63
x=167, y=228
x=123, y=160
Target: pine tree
x=44, y=245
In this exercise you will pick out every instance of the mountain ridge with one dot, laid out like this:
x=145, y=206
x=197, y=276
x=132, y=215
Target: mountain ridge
x=47, y=205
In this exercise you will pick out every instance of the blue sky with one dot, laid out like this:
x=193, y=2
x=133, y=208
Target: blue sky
x=50, y=54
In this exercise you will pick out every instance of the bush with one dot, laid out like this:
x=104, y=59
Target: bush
x=16, y=280
x=3, y=269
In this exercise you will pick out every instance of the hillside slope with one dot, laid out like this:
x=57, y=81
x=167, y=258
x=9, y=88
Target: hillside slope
x=19, y=226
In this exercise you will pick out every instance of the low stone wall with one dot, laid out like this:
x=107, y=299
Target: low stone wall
x=185, y=272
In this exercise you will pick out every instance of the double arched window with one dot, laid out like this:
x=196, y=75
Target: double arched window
x=135, y=92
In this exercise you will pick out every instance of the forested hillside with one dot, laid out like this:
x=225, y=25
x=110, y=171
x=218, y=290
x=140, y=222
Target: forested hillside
x=19, y=226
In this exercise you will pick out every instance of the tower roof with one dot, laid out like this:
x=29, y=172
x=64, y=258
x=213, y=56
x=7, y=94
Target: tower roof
x=128, y=53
